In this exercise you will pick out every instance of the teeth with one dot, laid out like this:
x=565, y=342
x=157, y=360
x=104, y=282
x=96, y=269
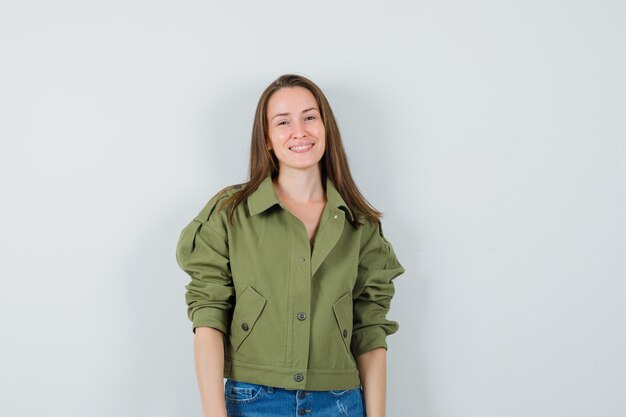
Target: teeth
x=300, y=148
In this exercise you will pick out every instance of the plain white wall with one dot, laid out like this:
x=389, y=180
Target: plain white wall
x=492, y=135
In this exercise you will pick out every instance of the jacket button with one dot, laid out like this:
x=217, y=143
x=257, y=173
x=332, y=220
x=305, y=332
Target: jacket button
x=302, y=259
x=345, y=333
x=244, y=326
x=298, y=377
x=301, y=316
x=335, y=216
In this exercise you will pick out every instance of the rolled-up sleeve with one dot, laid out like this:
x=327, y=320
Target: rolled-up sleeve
x=202, y=253
x=378, y=267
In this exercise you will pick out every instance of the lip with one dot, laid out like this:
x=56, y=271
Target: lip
x=304, y=150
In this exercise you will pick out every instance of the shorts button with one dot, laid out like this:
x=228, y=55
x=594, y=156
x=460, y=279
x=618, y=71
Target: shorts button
x=301, y=395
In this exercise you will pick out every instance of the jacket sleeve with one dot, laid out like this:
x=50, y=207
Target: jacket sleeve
x=202, y=252
x=378, y=267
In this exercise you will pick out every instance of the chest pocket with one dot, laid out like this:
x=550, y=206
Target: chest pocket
x=248, y=308
x=343, y=315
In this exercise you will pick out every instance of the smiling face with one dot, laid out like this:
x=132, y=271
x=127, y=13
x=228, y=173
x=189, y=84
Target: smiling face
x=295, y=128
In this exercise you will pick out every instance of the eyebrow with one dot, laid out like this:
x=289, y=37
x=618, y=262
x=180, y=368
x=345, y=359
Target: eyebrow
x=287, y=114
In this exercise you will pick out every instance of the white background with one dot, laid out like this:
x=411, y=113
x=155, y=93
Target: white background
x=492, y=135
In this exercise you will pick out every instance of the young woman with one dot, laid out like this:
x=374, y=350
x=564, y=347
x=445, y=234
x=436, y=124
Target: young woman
x=291, y=274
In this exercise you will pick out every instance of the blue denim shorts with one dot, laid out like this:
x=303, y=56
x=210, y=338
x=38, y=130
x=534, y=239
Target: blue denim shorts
x=245, y=399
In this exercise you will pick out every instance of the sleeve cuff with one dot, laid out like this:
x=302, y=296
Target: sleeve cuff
x=368, y=339
x=210, y=317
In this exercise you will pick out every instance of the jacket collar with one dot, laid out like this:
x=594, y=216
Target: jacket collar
x=264, y=197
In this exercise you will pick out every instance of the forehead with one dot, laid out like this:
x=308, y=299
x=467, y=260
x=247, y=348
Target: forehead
x=287, y=99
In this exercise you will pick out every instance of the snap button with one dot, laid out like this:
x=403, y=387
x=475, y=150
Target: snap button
x=301, y=316
x=345, y=333
x=298, y=377
x=244, y=326
x=303, y=259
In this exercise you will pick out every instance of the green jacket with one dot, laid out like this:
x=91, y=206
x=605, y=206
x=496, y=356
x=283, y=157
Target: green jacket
x=293, y=317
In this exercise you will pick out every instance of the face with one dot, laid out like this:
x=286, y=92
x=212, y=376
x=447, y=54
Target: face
x=295, y=128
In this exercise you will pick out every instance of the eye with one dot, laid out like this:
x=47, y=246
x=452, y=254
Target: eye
x=310, y=117
x=281, y=122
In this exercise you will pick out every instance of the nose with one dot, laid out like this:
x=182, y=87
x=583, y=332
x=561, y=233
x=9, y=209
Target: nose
x=298, y=130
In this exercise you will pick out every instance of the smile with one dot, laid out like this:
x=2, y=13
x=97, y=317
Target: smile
x=302, y=148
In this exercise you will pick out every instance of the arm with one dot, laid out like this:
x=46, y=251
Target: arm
x=373, y=369
x=209, y=360
x=202, y=252
x=378, y=267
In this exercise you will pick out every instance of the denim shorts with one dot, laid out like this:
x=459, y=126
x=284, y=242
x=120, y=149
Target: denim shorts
x=245, y=399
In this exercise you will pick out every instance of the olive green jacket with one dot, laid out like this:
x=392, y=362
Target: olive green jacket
x=293, y=316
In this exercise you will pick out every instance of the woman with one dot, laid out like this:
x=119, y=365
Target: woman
x=291, y=275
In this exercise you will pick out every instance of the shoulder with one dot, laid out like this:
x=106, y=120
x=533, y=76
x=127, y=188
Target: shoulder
x=214, y=202
x=206, y=233
x=374, y=245
x=376, y=251
x=370, y=229
x=214, y=213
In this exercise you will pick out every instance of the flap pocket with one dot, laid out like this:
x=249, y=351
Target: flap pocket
x=248, y=308
x=343, y=315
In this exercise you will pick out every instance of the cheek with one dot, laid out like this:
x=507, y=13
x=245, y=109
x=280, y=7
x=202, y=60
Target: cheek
x=275, y=138
x=320, y=132
x=279, y=133
x=322, y=136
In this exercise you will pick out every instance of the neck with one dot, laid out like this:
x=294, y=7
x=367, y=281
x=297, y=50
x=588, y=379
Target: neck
x=300, y=186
